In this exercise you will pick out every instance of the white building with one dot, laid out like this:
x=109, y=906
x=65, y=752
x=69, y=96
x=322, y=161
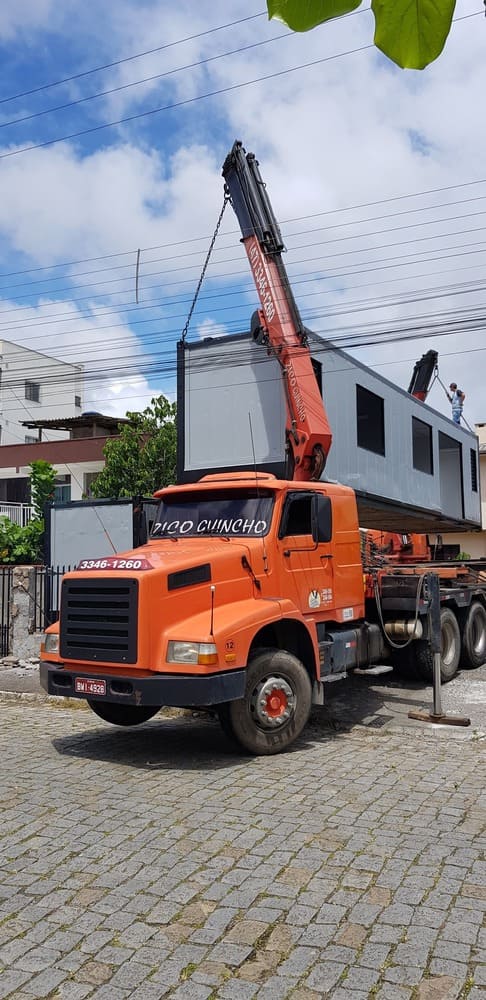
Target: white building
x=77, y=456
x=34, y=386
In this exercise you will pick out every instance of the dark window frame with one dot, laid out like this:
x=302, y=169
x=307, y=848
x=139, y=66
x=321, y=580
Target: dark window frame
x=422, y=458
x=369, y=435
x=474, y=471
x=32, y=391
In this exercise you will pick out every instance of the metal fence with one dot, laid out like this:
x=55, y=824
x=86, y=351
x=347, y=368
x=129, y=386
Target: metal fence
x=19, y=513
x=46, y=595
x=6, y=577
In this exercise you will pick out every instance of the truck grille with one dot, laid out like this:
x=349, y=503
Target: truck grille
x=99, y=620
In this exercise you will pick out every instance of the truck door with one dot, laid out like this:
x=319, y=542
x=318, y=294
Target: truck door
x=305, y=535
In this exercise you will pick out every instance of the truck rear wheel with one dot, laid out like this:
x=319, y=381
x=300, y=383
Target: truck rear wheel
x=276, y=704
x=474, y=637
x=123, y=715
x=450, y=650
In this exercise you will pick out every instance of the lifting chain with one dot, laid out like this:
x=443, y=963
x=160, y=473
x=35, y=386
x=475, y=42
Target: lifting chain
x=203, y=272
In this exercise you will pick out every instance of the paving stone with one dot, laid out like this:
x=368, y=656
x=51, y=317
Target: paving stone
x=324, y=976
x=447, y=967
x=197, y=879
x=230, y=954
x=45, y=983
x=439, y=988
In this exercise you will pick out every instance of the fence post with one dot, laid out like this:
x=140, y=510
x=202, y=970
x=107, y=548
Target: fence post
x=24, y=644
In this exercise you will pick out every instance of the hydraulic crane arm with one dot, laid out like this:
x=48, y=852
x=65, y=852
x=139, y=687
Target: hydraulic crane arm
x=422, y=375
x=279, y=326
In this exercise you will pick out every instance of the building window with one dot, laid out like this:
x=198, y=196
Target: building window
x=474, y=471
x=370, y=421
x=77, y=402
x=422, y=446
x=32, y=392
x=89, y=478
x=62, y=489
x=30, y=439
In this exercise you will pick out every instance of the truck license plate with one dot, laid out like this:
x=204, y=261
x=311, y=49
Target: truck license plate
x=86, y=685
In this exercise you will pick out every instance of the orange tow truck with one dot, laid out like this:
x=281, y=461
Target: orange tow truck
x=251, y=592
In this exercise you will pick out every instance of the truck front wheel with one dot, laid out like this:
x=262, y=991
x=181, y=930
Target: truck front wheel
x=276, y=704
x=449, y=654
x=474, y=637
x=123, y=715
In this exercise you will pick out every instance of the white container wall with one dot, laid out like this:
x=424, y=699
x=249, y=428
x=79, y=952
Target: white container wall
x=411, y=467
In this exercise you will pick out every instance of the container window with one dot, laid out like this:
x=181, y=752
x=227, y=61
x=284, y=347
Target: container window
x=474, y=471
x=423, y=459
x=370, y=421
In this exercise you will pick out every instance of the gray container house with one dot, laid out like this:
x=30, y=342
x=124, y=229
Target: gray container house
x=411, y=467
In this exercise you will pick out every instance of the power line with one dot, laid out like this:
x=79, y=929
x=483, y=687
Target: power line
x=137, y=83
x=327, y=257
x=368, y=266
x=223, y=248
x=437, y=323
x=314, y=215
x=137, y=55
x=182, y=103
x=192, y=100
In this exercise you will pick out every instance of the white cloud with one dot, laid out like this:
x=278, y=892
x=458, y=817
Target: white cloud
x=210, y=328
x=24, y=16
x=346, y=132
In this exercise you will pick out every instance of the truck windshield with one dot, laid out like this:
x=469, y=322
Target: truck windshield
x=239, y=513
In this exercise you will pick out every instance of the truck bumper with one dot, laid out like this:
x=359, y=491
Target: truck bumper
x=179, y=691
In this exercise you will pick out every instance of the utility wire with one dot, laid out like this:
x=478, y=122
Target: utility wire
x=137, y=55
x=364, y=267
x=193, y=100
x=183, y=103
x=314, y=215
x=137, y=83
x=105, y=282
x=222, y=249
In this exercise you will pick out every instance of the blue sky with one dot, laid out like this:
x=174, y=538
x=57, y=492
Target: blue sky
x=347, y=146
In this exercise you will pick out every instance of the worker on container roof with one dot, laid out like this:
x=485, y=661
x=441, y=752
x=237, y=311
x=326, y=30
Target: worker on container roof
x=457, y=401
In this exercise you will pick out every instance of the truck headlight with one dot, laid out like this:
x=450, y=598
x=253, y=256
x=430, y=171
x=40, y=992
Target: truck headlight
x=51, y=642
x=203, y=653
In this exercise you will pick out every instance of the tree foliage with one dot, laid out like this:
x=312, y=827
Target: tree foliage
x=21, y=545
x=411, y=34
x=42, y=483
x=24, y=545
x=143, y=458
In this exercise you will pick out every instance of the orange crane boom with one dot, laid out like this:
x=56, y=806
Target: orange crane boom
x=278, y=324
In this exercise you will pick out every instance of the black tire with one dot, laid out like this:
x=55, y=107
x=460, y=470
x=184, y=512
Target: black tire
x=474, y=637
x=123, y=715
x=276, y=704
x=403, y=661
x=450, y=650
x=225, y=721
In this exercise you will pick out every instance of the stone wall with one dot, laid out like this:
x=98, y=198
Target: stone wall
x=24, y=642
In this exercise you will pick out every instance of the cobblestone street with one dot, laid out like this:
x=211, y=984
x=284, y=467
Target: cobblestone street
x=159, y=862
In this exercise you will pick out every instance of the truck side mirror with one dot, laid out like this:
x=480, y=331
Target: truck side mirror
x=321, y=518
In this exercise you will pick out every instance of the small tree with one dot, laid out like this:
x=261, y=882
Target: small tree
x=143, y=457
x=42, y=485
